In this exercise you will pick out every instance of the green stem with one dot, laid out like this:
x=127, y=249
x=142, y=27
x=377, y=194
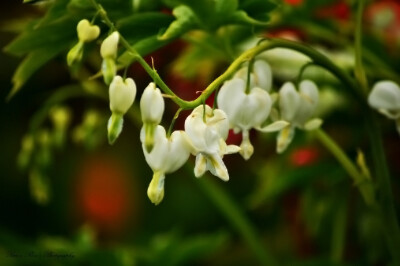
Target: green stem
x=339, y=229
x=359, y=69
x=235, y=216
x=386, y=210
x=363, y=183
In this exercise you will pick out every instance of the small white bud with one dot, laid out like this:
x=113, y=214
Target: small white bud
x=122, y=94
x=152, y=105
x=109, y=46
x=86, y=31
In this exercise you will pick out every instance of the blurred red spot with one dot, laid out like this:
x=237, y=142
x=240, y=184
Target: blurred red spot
x=340, y=11
x=103, y=192
x=304, y=156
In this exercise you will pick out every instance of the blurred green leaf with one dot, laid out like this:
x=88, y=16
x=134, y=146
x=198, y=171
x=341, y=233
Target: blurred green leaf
x=43, y=38
x=142, y=25
x=186, y=19
x=31, y=63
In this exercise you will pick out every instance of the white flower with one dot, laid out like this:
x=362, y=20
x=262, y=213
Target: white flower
x=86, y=31
x=167, y=156
x=244, y=110
x=261, y=76
x=208, y=130
x=152, y=105
x=109, y=46
x=122, y=94
x=297, y=107
x=385, y=97
x=152, y=109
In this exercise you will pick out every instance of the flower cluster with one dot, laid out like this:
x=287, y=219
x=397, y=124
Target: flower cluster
x=385, y=97
x=245, y=102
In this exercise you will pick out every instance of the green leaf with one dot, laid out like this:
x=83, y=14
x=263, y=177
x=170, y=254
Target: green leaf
x=143, y=47
x=186, y=19
x=226, y=7
x=44, y=37
x=257, y=8
x=31, y=64
x=241, y=17
x=142, y=25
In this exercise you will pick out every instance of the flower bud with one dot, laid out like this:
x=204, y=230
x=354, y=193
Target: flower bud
x=152, y=109
x=152, y=105
x=109, y=46
x=114, y=127
x=75, y=54
x=109, y=70
x=385, y=97
x=86, y=31
x=122, y=94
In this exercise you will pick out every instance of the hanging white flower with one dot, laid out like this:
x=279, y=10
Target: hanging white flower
x=152, y=109
x=108, y=52
x=122, y=94
x=208, y=130
x=167, y=156
x=244, y=110
x=385, y=98
x=86, y=33
x=260, y=77
x=109, y=46
x=152, y=104
x=297, y=107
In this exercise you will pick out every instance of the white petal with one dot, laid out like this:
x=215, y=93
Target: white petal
x=231, y=149
x=178, y=151
x=200, y=165
x=122, y=94
x=230, y=97
x=217, y=166
x=385, y=95
x=289, y=101
x=109, y=46
x=263, y=75
x=246, y=147
x=157, y=157
x=152, y=104
x=308, y=102
x=86, y=31
x=313, y=124
x=155, y=191
x=285, y=137
x=276, y=126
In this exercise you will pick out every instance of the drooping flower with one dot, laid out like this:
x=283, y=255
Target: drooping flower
x=244, y=110
x=167, y=156
x=297, y=107
x=152, y=109
x=86, y=33
x=260, y=77
x=248, y=108
x=385, y=98
x=208, y=130
x=122, y=94
x=108, y=52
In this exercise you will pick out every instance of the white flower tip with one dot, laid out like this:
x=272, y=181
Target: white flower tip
x=114, y=127
x=200, y=165
x=285, y=137
x=275, y=126
x=247, y=149
x=385, y=97
x=86, y=31
x=155, y=191
x=109, y=46
x=313, y=124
